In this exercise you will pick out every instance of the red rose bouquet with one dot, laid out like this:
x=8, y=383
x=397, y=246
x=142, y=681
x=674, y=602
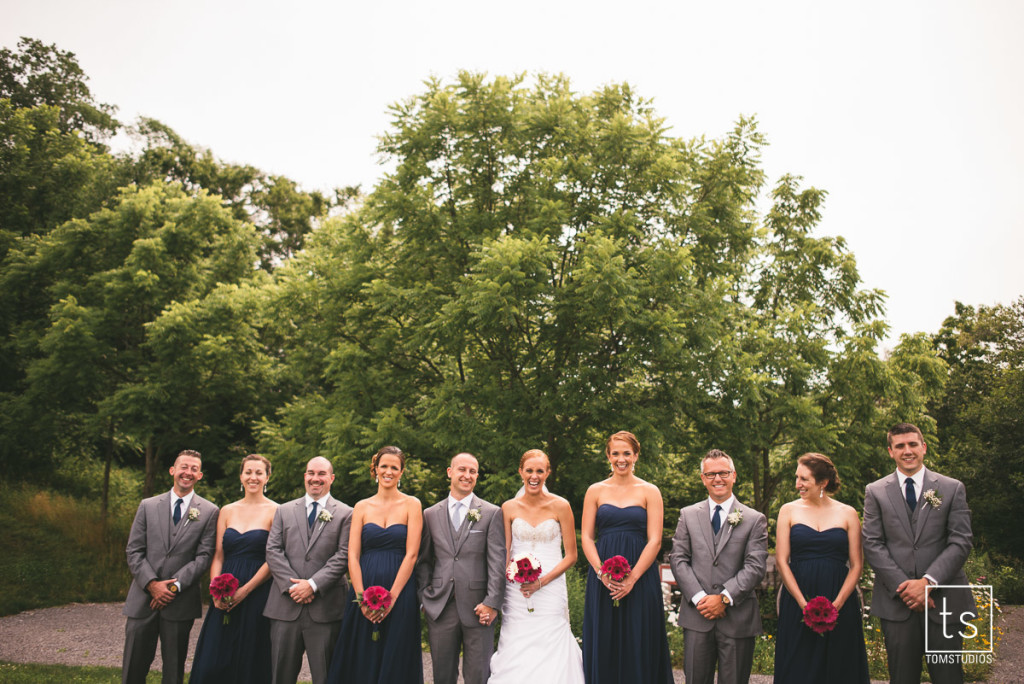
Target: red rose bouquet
x=616, y=568
x=223, y=588
x=820, y=615
x=376, y=600
x=523, y=569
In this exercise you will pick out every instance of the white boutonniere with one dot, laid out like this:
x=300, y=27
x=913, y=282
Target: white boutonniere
x=734, y=518
x=193, y=515
x=324, y=517
x=473, y=515
x=933, y=499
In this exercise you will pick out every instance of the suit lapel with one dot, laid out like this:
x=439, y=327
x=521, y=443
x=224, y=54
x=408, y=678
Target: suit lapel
x=163, y=507
x=923, y=507
x=704, y=522
x=444, y=521
x=899, y=504
x=466, y=524
x=299, y=515
x=179, y=529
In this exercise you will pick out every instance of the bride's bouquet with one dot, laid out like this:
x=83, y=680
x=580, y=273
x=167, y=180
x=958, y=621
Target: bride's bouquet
x=820, y=615
x=523, y=569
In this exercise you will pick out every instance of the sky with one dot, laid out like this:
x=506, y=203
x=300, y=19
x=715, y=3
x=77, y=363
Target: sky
x=909, y=114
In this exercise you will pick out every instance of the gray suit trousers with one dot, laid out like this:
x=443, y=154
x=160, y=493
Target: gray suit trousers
x=289, y=638
x=140, y=637
x=904, y=646
x=702, y=650
x=447, y=634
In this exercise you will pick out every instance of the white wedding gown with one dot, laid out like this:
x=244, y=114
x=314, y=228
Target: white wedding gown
x=537, y=647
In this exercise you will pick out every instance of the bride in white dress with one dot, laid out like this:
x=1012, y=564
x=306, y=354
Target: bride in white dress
x=539, y=646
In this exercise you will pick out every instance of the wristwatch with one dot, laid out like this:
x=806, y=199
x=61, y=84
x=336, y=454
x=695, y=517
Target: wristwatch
x=173, y=588
x=725, y=599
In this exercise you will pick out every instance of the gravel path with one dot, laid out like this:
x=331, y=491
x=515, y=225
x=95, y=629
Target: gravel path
x=93, y=634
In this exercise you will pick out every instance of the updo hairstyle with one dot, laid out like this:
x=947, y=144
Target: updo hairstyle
x=534, y=453
x=256, y=457
x=386, y=451
x=822, y=469
x=623, y=436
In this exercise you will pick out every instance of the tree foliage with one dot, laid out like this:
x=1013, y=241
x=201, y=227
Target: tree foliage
x=981, y=435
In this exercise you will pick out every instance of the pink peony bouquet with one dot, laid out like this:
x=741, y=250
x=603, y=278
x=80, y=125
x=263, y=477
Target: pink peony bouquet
x=523, y=569
x=820, y=615
x=223, y=588
x=376, y=600
x=616, y=568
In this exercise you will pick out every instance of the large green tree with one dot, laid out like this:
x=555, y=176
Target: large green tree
x=543, y=268
x=980, y=431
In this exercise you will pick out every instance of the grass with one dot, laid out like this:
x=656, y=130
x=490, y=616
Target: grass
x=21, y=673
x=58, y=551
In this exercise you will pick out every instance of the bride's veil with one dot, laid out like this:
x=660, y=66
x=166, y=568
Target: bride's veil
x=522, y=490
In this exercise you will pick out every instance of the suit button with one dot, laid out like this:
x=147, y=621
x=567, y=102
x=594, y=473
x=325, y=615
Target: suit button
x=456, y=558
x=715, y=563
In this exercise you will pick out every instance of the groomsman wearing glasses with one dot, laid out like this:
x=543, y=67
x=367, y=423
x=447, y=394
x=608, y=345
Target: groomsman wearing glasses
x=170, y=546
x=719, y=556
x=917, y=532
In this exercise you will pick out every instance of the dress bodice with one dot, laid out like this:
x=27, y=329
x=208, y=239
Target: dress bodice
x=251, y=545
x=390, y=538
x=809, y=544
x=611, y=519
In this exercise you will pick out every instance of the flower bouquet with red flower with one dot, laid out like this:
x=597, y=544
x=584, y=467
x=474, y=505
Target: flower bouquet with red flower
x=820, y=615
x=376, y=600
x=616, y=568
x=223, y=588
x=523, y=569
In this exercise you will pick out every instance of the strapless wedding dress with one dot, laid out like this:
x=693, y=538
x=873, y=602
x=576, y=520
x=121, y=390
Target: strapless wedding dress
x=539, y=646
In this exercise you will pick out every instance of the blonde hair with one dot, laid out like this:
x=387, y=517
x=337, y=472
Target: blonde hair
x=533, y=453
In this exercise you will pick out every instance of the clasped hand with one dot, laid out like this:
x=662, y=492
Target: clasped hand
x=161, y=592
x=711, y=606
x=377, y=616
x=912, y=591
x=619, y=590
x=300, y=591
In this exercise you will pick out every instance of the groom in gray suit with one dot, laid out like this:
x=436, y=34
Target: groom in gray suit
x=719, y=555
x=307, y=552
x=460, y=576
x=170, y=546
x=917, y=532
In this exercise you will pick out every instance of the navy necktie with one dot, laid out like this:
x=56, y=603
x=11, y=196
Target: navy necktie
x=312, y=516
x=911, y=494
x=177, y=511
x=716, y=519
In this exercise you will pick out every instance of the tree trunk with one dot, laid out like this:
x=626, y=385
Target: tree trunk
x=151, y=459
x=108, y=459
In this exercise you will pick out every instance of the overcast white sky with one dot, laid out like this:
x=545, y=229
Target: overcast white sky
x=908, y=113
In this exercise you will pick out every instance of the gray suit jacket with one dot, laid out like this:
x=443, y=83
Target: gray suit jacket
x=738, y=564
x=934, y=541
x=321, y=555
x=469, y=564
x=160, y=550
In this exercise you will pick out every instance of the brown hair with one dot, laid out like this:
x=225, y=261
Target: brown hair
x=386, y=451
x=623, y=436
x=533, y=453
x=190, y=453
x=256, y=457
x=822, y=469
x=902, y=429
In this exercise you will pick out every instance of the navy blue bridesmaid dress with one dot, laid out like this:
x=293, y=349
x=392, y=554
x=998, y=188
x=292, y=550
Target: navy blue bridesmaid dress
x=396, y=656
x=238, y=652
x=625, y=644
x=818, y=561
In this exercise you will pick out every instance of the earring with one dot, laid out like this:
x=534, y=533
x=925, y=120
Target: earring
x=377, y=480
x=399, y=483
x=241, y=487
x=264, y=489
x=821, y=493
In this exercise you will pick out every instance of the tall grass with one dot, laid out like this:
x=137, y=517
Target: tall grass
x=57, y=550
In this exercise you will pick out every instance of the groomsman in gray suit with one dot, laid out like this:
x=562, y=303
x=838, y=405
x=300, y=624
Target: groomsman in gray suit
x=917, y=532
x=719, y=556
x=170, y=546
x=307, y=551
x=460, y=576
